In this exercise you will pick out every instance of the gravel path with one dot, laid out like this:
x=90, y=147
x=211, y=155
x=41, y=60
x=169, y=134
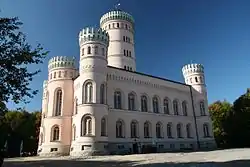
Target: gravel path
x=222, y=158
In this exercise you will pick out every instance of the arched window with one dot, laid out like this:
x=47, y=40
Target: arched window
x=147, y=130
x=188, y=129
x=73, y=132
x=58, y=100
x=55, y=133
x=76, y=105
x=169, y=130
x=179, y=131
x=103, y=127
x=89, y=50
x=86, y=126
x=184, y=108
x=131, y=101
x=196, y=79
x=155, y=105
x=120, y=131
x=134, y=129
x=206, y=130
x=166, y=106
x=88, y=93
x=159, y=130
x=144, y=104
x=202, y=108
x=117, y=100
x=96, y=49
x=102, y=94
x=175, y=106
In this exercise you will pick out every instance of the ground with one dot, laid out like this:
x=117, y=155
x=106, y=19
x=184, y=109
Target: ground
x=221, y=158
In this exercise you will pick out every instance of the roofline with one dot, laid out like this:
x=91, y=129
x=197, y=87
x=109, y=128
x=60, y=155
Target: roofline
x=164, y=79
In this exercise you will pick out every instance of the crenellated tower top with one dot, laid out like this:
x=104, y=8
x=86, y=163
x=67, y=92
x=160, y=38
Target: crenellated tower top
x=90, y=34
x=61, y=62
x=191, y=69
x=116, y=15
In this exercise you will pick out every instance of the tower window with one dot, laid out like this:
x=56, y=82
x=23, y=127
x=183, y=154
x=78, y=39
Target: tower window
x=126, y=26
x=129, y=53
x=124, y=52
x=196, y=79
x=89, y=50
x=117, y=25
x=109, y=26
x=124, y=39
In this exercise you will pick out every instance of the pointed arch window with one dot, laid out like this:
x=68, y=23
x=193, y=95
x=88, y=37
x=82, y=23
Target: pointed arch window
x=188, y=129
x=206, y=130
x=117, y=100
x=166, y=106
x=144, y=104
x=159, y=130
x=103, y=127
x=120, y=129
x=58, y=107
x=131, y=101
x=55, y=133
x=179, y=131
x=184, y=108
x=89, y=50
x=88, y=92
x=102, y=94
x=176, y=108
x=147, y=130
x=202, y=108
x=169, y=130
x=155, y=105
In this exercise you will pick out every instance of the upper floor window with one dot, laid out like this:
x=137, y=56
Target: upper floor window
x=103, y=127
x=202, y=108
x=155, y=105
x=147, y=129
x=179, y=131
x=159, y=130
x=196, y=79
x=117, y=25
x=134, y=129
x=89, y=50
x=117, y=100
x=188, y=129
x=166, y=106
x=58, y=104
x=169, y=130
x=176, y=108
x=102, y=94
x=184, y=108
x=120, y=129
x=88, y=92
x=131, y=101
x=144, y=104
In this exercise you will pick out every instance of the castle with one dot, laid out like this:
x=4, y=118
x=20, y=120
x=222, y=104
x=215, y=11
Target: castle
x=106, y=107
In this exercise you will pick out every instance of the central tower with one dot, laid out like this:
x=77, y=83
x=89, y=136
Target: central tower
x=120, y=27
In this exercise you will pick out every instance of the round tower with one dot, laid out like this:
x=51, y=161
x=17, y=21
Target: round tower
x=89, y=122
x=58, y=106
x=194, y=76
x=120, y=27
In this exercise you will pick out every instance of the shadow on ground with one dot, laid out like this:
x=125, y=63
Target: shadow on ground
x=93, y=163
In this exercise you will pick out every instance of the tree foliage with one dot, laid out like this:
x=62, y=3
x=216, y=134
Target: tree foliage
x=231, y=123
x=15, y=56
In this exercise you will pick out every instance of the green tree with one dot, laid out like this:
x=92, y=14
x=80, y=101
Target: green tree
x=15, y=55
x=239, y=122
x=219, y=112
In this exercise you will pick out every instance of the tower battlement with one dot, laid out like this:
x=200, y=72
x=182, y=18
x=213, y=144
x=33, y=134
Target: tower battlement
x=192, y=68
x=89, y=34
x=117, y=14
x=61, y=62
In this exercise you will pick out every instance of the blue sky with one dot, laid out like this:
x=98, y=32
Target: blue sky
x=169, y=34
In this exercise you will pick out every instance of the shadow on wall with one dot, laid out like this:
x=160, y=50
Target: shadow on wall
x=93, y=163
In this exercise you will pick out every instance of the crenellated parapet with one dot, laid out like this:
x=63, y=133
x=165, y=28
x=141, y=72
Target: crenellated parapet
x=61, y=62
x=190, y=69
x=91, y=34
x=116, y=15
